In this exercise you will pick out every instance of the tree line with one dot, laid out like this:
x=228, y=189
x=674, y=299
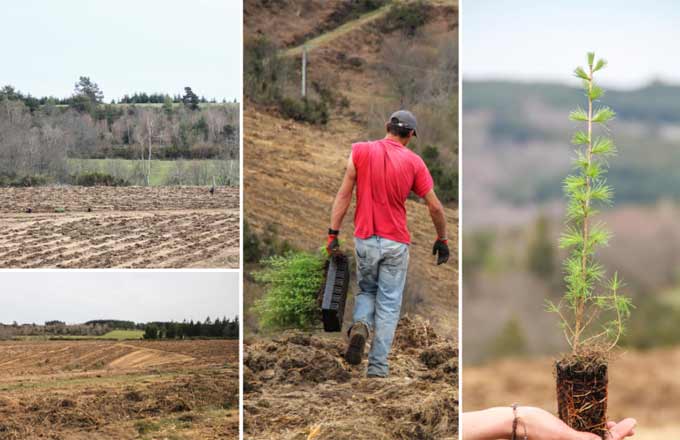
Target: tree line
x=219, y=328
x=37, y=139
x=224, y=328
x=86, y=88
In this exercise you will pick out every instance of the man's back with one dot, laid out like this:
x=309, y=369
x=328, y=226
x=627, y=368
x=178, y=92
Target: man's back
x=387, y=172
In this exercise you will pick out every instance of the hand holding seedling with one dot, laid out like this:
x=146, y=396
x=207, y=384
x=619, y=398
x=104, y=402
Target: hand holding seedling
x=536, y=423
x=592, y=311
x=541, y=425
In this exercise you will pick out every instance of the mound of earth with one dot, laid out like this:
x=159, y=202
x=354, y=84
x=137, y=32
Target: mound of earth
x=298, y=386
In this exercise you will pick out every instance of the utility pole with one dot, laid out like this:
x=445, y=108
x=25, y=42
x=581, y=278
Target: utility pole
x=304, y=71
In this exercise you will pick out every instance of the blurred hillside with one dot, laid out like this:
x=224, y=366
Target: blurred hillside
x=517, y=152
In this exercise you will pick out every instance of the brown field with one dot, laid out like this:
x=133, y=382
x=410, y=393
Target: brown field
x=644, y=385
x=128, y=227
x=298, y=386
x=119, y=390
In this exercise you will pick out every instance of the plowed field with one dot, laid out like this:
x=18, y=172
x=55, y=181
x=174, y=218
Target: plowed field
x=119, y=390
x=104, y=227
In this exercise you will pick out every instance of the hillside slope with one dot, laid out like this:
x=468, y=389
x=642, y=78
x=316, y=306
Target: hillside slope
x=291, y=174
x=292, y=170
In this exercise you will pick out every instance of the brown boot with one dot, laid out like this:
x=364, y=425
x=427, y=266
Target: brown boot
x=358, y=335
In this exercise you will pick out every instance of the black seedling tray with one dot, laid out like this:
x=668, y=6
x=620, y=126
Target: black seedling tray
x=333, y=295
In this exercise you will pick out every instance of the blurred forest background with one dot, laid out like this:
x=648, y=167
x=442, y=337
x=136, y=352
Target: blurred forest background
x=517, y=153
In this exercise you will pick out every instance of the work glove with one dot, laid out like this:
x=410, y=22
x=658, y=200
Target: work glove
x=332, y=245
x=441, y=247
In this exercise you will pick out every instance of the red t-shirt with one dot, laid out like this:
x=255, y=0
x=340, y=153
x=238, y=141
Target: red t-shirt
x=386, y=173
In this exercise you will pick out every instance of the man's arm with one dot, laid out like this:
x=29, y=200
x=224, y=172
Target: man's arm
x=436, y=213
x=344, y=196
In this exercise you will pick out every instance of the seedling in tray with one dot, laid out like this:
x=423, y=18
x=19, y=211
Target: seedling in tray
x=591, y=312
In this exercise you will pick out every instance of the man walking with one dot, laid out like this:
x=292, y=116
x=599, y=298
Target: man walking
x=384, y=172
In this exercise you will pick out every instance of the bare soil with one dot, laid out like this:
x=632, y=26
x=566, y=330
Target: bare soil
x=122, y=227
x=298, y=386
x=119, y=390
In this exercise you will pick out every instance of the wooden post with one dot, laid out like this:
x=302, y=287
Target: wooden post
x=304, y=71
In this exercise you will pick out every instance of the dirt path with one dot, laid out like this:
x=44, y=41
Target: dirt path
x=344, y=29
x=338, y=32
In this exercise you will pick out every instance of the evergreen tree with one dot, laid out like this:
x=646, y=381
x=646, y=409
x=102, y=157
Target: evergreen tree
x=87, y=88
x=190, y=99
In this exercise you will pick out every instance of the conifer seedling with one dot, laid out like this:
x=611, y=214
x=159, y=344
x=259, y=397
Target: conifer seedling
x=592, y=311
x=589, y=293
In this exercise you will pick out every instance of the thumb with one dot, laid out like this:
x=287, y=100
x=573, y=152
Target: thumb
x=622, y=429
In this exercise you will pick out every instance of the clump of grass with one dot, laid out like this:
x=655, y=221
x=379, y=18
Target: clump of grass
x=146, y=426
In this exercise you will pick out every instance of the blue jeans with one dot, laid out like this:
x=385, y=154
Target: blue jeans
x=381, y=273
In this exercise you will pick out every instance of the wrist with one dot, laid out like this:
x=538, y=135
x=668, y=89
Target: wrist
x=444, y=239
x=333, y=232
x=501, y=419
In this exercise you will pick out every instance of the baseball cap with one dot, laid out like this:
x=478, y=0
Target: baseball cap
x=404, y=118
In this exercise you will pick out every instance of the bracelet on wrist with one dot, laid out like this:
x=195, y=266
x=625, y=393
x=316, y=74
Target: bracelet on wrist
x=515, y=424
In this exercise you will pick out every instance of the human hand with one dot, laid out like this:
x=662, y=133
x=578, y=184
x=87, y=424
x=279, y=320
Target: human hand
x=332, y=245
x=541, y=425
x=441, y=247
x=624, y=428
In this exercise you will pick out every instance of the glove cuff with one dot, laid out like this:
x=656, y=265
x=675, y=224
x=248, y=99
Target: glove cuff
x=443, y=240
x=333, y=232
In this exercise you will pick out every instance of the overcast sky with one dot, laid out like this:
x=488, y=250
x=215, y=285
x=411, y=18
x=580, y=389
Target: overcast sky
x=123, y=45
x=139, y=296
x=532, y=40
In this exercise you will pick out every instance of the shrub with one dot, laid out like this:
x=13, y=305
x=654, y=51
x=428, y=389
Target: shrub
x=305, y=109
x=263, y=70
x=407, y=17
x=445, y=178
x=97, y=179
x=293, y=282
x=252, y=246
x=151, y=332
x=24, y=181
